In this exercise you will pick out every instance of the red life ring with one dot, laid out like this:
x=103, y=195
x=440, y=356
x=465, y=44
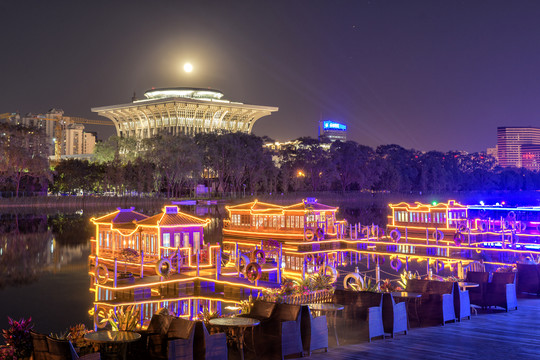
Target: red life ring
x=395, y=264
x=395, y=235
x=439, y=265
x=253, y=271
x=257, y=255
x=309, y=234
x=458, y=238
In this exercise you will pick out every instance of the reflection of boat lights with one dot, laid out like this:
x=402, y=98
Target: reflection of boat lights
x=233, y=308
x=52, y=246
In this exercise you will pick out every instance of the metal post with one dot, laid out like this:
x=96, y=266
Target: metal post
x=427, y=236
x=237, y=258
x=115, y=271
x=469, y=236
x=436, y=236
x=142, y=264
x=96, y=270
x=304, y=269
x=280, y=261
x=406, y=236
x=218, y=263
x=378, y=273
x=198, y=258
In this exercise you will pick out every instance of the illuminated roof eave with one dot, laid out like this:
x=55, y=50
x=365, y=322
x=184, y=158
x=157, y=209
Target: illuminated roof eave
x=147, y=102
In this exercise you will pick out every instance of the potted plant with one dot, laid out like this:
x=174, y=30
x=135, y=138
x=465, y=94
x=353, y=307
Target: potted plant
x=18, y=337
x=124, y=319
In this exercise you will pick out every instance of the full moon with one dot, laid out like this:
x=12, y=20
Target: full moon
x=188, y=67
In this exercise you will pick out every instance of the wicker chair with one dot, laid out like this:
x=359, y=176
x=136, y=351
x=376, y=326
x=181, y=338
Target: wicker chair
x=394, y=315
x=528, y=278
x=283, y=330
x=154, y=339
x=180, y=339
x=209, y=347
x=462, y=303
x=314, y=331
x=437, y=302
x=477, y=295
x=362, y=315
x=501, y=291
x=63, y=350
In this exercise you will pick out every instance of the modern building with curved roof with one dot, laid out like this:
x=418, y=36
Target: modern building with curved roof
x=182, y=110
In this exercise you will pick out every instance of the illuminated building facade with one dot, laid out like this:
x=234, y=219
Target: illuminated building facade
x=513, y=143
x=182, y=111
x=332, y=130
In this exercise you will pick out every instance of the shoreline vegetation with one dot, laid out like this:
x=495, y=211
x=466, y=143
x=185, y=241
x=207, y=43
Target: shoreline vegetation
x=89, y=202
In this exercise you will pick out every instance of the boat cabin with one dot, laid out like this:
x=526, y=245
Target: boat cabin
x=157, y=236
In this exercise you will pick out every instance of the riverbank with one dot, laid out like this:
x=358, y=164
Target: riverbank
x=92, y=202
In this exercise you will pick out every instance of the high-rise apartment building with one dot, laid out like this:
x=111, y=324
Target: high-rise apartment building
x=516, y=146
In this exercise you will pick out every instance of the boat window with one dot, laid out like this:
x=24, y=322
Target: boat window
x=282, y=221
x=288, y=221
x=301, y=221
x=166, y=240
x=196, y=241
x=176, y=239
x=186, y=240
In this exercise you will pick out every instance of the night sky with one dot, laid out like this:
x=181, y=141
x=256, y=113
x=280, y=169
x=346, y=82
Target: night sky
x=429, y=75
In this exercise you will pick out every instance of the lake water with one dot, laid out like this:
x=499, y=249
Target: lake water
x=44, y=258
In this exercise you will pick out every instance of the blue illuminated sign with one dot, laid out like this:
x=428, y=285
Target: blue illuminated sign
x=331, y=125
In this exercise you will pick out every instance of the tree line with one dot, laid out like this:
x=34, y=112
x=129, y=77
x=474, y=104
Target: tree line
x=237, y=163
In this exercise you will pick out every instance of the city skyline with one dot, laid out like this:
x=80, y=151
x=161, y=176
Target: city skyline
x=428, y=75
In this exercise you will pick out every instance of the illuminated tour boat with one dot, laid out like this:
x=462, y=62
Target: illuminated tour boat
x=151, y=262
x=302, y=237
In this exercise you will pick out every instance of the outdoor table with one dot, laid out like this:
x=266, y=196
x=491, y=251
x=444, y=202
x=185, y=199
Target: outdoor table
x=463, y=285
x=237, y=327
x=112, y=342
x=330, y=310
x=408, y=296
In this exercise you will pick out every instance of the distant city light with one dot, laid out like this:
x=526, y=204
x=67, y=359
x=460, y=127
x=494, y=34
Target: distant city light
x=482, y=203
x=332, y=125
x=188, y=67
x=434, y=203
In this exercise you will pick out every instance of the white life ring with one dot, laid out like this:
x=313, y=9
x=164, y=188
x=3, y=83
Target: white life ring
x=395, y=235
x=102, y=274
x=164, y=267
x=523, y=226
x=353, y=278
x=438, y=235
x=511, y=216
x=333, y=272
x=239, y=266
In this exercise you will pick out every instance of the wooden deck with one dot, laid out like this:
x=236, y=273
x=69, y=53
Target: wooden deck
x=490, y=335
x=493, y=334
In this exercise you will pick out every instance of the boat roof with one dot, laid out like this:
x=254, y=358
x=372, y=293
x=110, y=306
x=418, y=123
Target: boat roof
x=120, y=216
x=418, y=206
x=260, y=207
x=171, y=216
x=127, y=219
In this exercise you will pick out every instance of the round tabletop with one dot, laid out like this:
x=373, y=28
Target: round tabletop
x=234, y=322
x=406, y=294
x=325, y=307
x=464, y=284
x=108, y=336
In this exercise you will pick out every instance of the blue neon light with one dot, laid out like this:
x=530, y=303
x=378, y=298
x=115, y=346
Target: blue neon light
x=332, y=125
